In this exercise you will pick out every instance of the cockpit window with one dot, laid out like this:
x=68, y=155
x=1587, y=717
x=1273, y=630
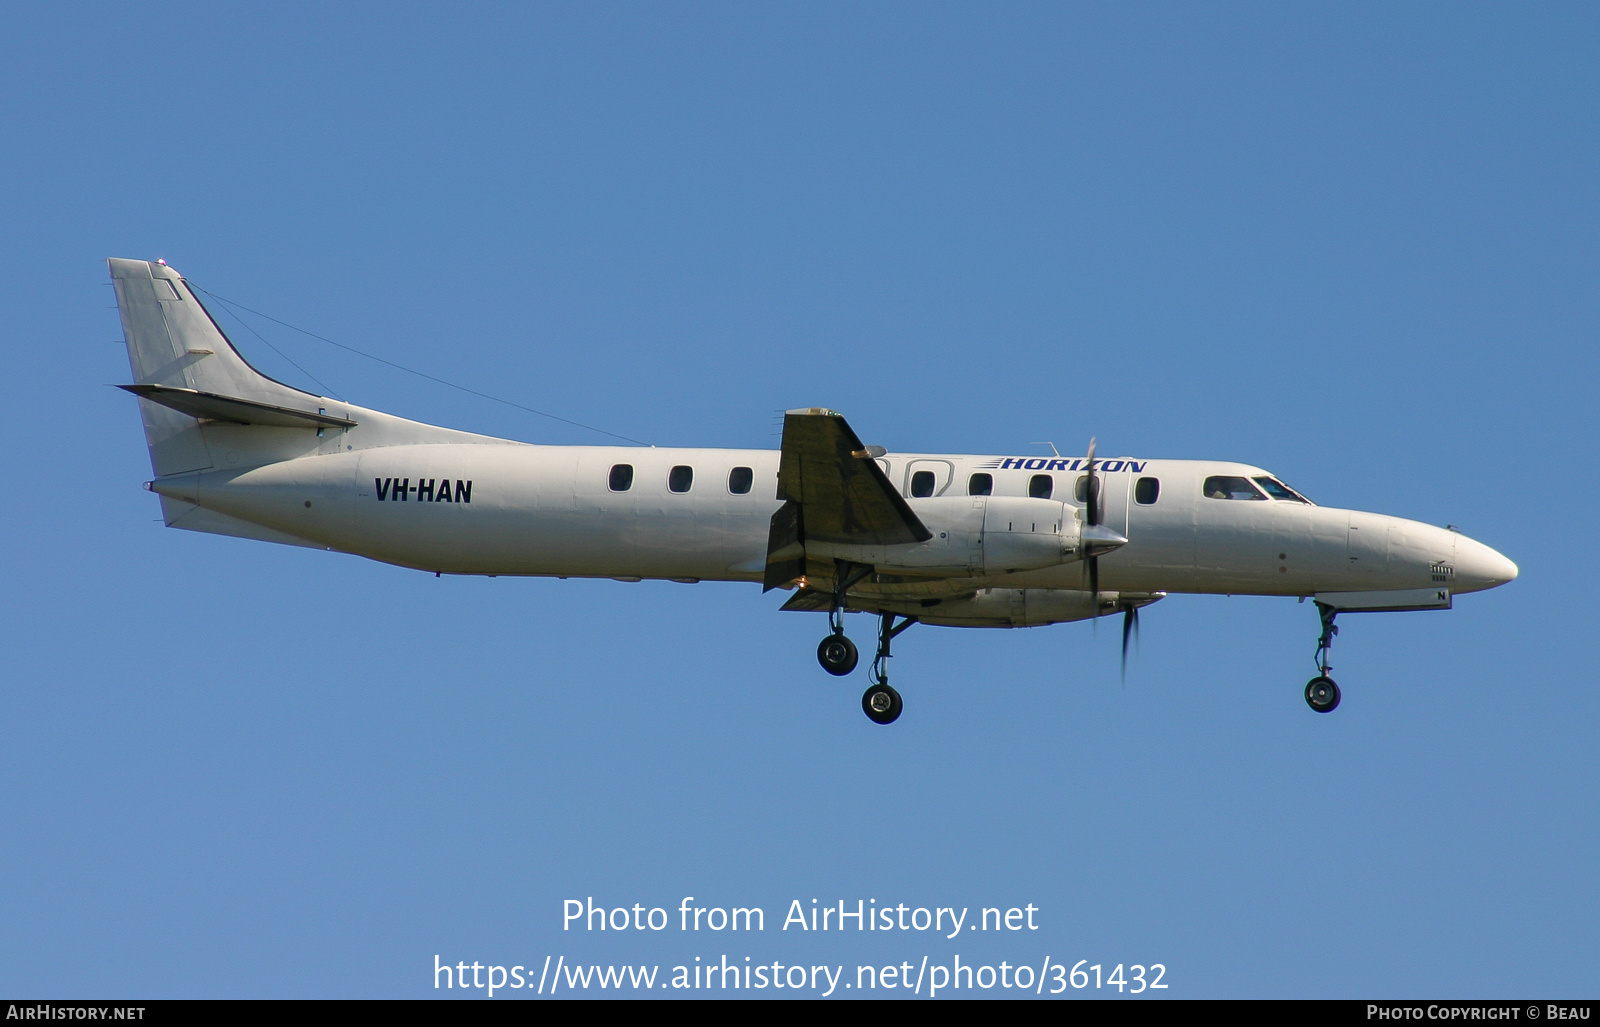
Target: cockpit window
x=1223, y=486
x=1278, y=490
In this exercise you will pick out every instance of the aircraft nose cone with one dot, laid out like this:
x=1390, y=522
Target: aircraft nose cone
x=1478, y=567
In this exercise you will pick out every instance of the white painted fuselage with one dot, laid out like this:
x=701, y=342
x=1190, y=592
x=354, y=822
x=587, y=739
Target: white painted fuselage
x=487, y=506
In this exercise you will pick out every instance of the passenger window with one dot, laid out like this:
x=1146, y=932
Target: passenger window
x=922, y=484
x=1040, y=486
x=1222, y=486
x=1146, y=491
x=980, y=485
x=739, y=480
x=1278, y=490
x=621, y=477
x=1080, y=491
x=680, y=478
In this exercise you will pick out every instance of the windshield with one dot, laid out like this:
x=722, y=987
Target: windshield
x=1226, y=486
x=1278, y=490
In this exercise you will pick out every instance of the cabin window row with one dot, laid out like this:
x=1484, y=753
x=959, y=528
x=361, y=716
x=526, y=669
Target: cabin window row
x=1042, y=486
x=681, y=479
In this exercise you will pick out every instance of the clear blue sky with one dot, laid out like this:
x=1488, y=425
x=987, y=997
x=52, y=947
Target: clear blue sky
x=1353, y=243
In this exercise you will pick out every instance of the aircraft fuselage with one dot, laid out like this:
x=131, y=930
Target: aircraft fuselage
x=520, y=509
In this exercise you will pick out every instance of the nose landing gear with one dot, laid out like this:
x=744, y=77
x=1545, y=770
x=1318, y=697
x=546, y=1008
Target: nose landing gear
x=1322, y=694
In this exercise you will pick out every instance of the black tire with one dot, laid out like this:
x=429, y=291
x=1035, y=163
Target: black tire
x=881, y=704
x=1322, y=694
x=838, y=655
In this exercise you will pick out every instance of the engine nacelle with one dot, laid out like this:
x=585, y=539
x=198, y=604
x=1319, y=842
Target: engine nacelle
x=1026, y=534
x=1017, y=607
x=1009, y=608
x=973, y=536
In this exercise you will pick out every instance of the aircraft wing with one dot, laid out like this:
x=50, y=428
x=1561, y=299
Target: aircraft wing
x=834, y=491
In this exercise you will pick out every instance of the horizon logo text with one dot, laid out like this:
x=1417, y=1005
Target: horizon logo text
x=1044, y=463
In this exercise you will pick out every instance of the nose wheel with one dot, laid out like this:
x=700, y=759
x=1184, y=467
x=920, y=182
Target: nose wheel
x=1322, y=694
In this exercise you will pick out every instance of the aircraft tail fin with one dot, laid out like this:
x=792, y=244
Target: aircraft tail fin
x=186, y=370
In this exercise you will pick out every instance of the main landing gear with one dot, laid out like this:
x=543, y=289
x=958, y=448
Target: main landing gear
x=838, y=655
x=1322, y=694
x=880, y=702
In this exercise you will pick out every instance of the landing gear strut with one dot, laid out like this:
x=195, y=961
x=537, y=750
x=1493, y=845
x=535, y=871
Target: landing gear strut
x=880, y=702
x=836, y=653
x=1322, y=694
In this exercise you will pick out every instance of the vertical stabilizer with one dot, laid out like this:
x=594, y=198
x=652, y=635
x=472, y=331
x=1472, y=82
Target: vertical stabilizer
x=174, y=343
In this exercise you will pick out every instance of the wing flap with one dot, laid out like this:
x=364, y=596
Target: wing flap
x=809, y=600
x=786, y=552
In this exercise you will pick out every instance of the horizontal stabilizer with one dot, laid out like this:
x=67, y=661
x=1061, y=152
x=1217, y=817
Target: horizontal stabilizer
x=238, y=411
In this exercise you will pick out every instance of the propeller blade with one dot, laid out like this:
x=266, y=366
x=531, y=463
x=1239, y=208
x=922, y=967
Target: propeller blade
x=1130, y=628
x=1091, y=509
x=1091, y=518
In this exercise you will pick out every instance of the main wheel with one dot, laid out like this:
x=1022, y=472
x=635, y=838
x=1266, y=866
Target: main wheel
x=837, y=654
x=1322, y=694
x=881, y=704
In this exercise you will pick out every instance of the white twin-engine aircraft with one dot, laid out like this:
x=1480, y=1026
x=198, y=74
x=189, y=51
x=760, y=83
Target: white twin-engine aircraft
x=963, y=541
